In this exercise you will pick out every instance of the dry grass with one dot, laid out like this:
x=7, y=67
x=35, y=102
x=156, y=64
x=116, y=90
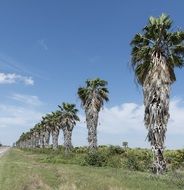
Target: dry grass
x=34, y=182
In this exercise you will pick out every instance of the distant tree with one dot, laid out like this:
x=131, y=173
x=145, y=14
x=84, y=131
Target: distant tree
x=125, y=144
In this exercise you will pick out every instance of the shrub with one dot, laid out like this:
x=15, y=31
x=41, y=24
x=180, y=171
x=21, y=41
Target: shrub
x=113, y=150
x=115, y=162
x=95, y=159
x=81, y=150
x=138, y=159
x=175, y=159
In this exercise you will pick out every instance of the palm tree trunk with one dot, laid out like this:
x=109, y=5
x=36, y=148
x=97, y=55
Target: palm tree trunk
x=92, y=121
x=55, y=135
x=67, y=138
x=32, y=142
x=42, y=143
x=37, y=140
x=47, y=138
x=156, y=90
x=29, y=143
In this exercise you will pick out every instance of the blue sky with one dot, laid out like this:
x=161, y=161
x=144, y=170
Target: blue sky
x=49, y=48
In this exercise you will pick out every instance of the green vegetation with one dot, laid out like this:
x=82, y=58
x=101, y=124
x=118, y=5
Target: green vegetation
x=136, y=159
x=28, y=170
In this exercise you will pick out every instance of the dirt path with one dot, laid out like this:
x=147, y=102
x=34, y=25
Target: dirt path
x=3, y=150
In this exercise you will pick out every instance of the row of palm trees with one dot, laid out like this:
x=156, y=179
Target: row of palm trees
x=156, y=51
x=65, y=118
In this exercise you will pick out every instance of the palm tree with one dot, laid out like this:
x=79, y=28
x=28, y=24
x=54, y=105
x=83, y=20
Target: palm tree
x=155, y=53
x=92, y=97
x=52, y=121
x=68, y=119
x=47, y=131
x=32, y=138
x=37, y=135
x=41, y=131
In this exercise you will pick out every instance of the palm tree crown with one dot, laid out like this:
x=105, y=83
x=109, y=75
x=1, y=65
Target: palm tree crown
x=94, y=93
x=157, y=39
x=68, y=114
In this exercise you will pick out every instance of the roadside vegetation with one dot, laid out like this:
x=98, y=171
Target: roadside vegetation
x=48, y=169
x=134, y=159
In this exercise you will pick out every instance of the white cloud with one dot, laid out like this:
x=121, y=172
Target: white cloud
x=126, y=122
x=43, y=44
x=27, y=99
x=122, y=119
x=18, y=116
x=130, y=117
x=16, y=119
x=22, y=116
x=11, y=78
x=176, y=122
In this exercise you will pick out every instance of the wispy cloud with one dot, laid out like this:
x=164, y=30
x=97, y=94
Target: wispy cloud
x=43, y=44
x=11, y=78
x=18, y=118
x=10, y=64
x=11, y=116
x=27, y=99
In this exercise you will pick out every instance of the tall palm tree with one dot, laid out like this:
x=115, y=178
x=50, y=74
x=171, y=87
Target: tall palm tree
x=92, y=97
x=68, y=119
x=155, y=53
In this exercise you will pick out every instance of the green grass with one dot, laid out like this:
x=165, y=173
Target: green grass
x=20, y=170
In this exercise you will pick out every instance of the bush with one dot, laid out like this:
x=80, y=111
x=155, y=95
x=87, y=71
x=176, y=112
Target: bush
x=132, y=163
x=175, y=159
x=113, y=150
x=81, y=150
x=138, y=159
x=95, y=159
x=115, y=162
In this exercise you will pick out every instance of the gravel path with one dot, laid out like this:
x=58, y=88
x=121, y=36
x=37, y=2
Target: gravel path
x=3, y=150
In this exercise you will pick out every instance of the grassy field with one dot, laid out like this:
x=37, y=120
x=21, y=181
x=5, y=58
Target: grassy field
x=20, y=170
